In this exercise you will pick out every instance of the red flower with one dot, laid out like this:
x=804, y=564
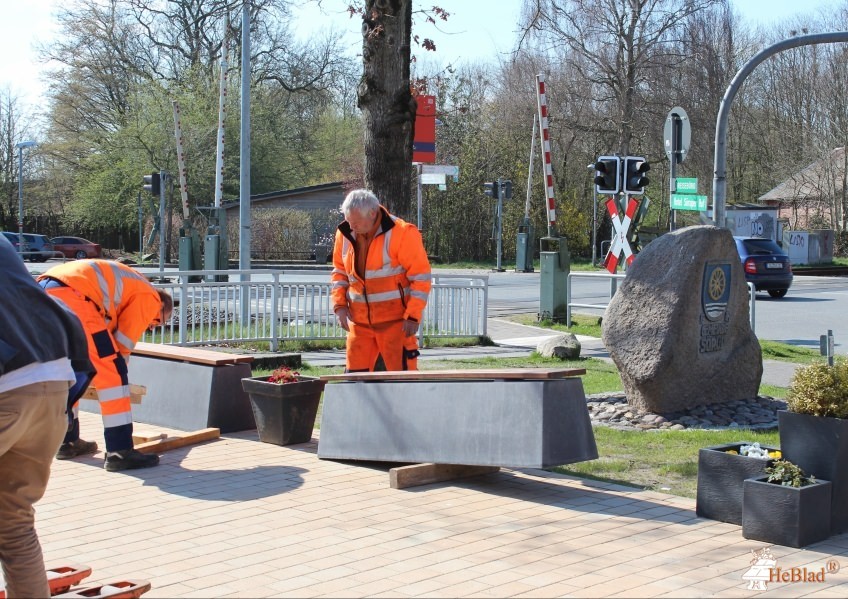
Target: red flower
x=283, y=375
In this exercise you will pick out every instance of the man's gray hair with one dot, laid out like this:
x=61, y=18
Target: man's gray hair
x=362, y=201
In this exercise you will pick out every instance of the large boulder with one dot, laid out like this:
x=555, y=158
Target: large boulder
x=678, y=328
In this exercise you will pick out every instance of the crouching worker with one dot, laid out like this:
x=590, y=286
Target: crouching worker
x=115, y=304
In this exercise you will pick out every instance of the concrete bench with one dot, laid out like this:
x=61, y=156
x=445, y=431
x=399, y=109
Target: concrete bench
x=523, y=417
x=189, y=389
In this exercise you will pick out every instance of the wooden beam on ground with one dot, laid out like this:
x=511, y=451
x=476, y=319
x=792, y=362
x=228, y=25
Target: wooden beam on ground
x=176, y=441
x=424, y=474
x=519, y=374
x=145, y=436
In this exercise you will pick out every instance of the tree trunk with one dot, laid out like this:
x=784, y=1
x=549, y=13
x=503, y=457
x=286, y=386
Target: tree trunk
x=386, y=102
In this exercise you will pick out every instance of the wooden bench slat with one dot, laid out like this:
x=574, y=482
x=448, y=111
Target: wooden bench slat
x=189, y=354
x=522, y=374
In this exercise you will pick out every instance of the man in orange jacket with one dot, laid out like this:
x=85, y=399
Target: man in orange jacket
x=381, y=281
x=115, y=304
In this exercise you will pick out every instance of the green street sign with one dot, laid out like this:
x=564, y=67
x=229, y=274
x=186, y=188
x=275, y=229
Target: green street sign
x=685, y=201
x=686, y=185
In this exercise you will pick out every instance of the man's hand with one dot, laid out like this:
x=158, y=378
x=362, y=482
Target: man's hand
x=343, y=314
x=410, y=327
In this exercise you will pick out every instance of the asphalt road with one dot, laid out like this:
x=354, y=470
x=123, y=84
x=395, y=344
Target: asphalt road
x=813, y=305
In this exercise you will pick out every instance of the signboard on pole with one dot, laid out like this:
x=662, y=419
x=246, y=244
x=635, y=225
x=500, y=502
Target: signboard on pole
x=685, y=185
x=443, y=169
x=685, y=201
x=432, y=178
x=424, y=141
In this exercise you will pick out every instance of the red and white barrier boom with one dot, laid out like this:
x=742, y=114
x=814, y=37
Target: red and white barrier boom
x=546, y=151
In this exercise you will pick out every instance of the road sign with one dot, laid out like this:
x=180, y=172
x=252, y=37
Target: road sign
x=688, y=201
x=440, y=169
x=685, y=185
x=432, y=179
x=677, y=134
x=619, y=244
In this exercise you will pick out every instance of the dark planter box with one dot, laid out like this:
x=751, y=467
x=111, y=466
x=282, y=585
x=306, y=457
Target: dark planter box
x=819, y=446
x=285, y=414
x=789, y=516
x=720, y=478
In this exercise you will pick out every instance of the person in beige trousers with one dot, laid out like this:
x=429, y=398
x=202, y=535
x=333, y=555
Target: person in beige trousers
x=43, y=364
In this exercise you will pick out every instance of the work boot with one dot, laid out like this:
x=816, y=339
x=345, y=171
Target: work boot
x=72, y=449
x=129, y=459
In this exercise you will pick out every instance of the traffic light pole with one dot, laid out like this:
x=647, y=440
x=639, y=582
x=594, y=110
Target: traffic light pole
x=162, y=196
x=499, y=232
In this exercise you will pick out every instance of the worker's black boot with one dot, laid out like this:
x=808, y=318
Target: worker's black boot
x=75, y=448
x=129, y=459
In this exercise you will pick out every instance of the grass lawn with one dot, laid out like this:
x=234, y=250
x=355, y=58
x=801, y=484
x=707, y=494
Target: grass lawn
x=665, y=461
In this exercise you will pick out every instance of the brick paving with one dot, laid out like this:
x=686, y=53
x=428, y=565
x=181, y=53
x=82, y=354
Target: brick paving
x=235, y=517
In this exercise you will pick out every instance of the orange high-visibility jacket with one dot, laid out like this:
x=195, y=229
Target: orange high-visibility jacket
x=127, y=300
x=397, y=273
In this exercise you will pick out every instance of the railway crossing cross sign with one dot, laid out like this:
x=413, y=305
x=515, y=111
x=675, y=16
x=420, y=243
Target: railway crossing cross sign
x=619, y=243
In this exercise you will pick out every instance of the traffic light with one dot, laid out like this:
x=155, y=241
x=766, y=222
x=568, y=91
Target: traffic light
x=607, y=178
x=635, y=180
x=151, y=183
x=491, y=189
x=507, y=189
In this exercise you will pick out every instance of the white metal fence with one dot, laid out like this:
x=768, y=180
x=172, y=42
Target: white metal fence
x=240, y=306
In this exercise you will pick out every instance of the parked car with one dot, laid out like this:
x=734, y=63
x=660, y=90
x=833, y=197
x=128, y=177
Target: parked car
x=765, y=264
x=40, y=247
x=13, y=239
x=77, y=247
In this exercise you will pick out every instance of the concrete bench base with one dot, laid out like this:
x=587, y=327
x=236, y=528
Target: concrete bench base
x=189, y=389
x=510, y=423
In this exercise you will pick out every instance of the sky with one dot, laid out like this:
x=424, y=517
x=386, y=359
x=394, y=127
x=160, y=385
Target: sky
x=476, y=31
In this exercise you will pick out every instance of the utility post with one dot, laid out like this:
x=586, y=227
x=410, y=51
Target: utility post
x=499, y=226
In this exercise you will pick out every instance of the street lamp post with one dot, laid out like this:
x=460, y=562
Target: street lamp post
x=20, y=146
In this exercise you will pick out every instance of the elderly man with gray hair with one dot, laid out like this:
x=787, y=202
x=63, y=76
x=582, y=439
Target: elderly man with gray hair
x=381, y=282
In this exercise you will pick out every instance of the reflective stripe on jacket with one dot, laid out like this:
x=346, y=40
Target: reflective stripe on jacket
x=127, y=300
x=397, y=273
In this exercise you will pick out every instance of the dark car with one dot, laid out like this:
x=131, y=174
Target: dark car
x=13, y=239
x=76, y=247
x=765, y=264
x=40, y=247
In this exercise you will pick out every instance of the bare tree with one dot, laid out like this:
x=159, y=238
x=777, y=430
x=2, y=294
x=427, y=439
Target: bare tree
x=622, y=44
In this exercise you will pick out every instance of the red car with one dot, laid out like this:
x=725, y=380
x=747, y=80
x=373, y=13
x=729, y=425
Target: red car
x=76, y=247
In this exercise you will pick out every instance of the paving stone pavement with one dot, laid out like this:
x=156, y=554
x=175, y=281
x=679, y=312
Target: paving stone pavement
x=236, y=517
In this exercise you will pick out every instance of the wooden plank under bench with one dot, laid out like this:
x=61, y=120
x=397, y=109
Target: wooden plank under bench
x=519, y=374
x=415, y=475
x=189, y=354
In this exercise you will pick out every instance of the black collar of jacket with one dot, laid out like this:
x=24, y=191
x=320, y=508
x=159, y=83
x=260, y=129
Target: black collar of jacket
x=386, y=223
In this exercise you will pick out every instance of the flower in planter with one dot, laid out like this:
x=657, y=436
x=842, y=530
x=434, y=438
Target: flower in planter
x=283, y=375
x=787, y=474
x=755, y=451
x=820, y=390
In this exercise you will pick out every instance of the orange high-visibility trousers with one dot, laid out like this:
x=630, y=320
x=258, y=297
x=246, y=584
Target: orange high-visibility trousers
x=111, y=379
x=365, y=343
